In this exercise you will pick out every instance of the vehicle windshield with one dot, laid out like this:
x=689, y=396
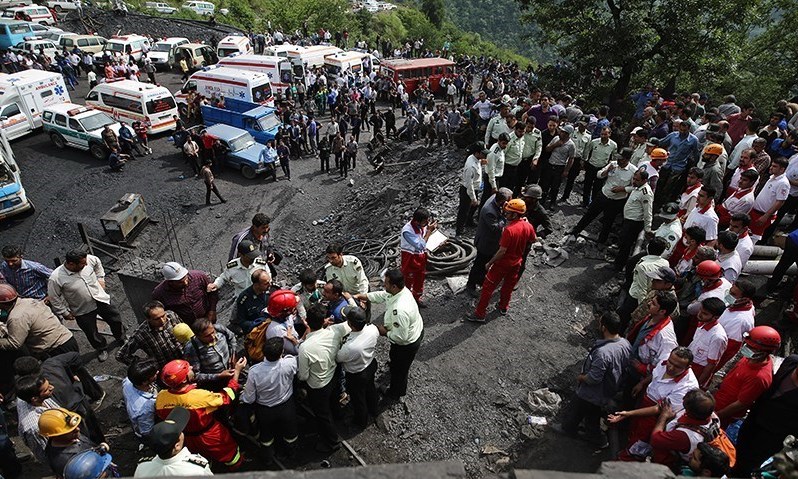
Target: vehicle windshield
x=262, y=93
x=96, y=121
x=6, y=178
x=160, y=105
x=223, y=52
x=242, y=142
x=333, y=70
x=19, y=29
x=268, y=122
x=162, y=47
x=115, y=47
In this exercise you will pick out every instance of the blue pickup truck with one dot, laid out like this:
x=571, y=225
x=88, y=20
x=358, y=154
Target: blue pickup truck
x=260, y=121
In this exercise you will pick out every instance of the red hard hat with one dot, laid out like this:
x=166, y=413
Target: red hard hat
x=7, y=293
x=763, y=338
x=281, y=302
x=708, y=269
x=175, y=373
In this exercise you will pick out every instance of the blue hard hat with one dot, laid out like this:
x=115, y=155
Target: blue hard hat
x=87, y=465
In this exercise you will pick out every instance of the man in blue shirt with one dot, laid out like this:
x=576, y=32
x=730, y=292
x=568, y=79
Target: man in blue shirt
x=139, y=392
x=683, y=152
x=29, y=278
x=268, y=155
x=333, y=293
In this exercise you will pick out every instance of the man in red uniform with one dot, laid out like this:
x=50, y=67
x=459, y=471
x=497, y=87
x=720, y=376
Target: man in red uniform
x=516, y=240
x=750, y=377
x=204, y=434
x=413, y=242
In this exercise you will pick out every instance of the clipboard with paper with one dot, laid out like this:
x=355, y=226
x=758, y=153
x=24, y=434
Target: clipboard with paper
x=436, y=239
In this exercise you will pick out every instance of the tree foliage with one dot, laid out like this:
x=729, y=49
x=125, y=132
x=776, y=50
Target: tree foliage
x=435, y=11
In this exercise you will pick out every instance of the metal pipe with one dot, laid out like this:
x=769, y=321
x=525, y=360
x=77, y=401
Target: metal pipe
x=766, y=267
x=763, y=251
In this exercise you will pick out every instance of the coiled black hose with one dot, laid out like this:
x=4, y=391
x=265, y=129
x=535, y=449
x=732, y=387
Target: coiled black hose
x=454, y=257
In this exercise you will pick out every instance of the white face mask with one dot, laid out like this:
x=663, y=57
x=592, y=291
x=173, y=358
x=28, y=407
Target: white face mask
x=729, y=299
x=747, y=352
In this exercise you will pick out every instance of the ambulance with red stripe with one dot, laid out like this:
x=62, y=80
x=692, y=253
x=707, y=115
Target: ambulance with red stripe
x=23, y=96
x=221, y=81
x=279, y=69
x=119, y=45
x=128, y=101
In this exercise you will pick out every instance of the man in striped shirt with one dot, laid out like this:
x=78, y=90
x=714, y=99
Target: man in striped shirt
x=29, y=278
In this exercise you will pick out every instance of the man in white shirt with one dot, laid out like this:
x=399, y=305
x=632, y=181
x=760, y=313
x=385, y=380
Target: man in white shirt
x=470, y=180
x=709, y=341
x=703, y=215
x=728, y=257
x=77, y=292
x=745, y=245
x=173, y=458
x=770, y=199
x=356, y=356
x=741, y=199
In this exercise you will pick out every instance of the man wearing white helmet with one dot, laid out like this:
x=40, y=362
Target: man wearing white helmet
x=186, y=293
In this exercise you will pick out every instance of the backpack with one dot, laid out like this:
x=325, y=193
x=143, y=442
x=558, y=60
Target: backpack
x=715, y=437
x=253, y=343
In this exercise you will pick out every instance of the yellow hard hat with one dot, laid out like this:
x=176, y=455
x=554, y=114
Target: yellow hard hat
x=516, y=206
x=713, y=149
x=182, y=332
x=659, y=154
x=57, y=422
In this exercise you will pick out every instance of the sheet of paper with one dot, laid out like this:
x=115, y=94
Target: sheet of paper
x=436, y=239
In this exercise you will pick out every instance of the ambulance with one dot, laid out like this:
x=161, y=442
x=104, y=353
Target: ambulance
x=23, y=96
x=219, y=81
x=13, y=199
x=281, y=50
x=308, y=58
x=128, y=101
x=233, y=44
x=278, y=69
x=341, y=63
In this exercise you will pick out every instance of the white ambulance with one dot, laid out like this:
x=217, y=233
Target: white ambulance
x=278, y=68
x=281, y=50
x=133, y=45
x=233, y=44
x=341, y=63
x=308, y=58
x=23, y=96
x=128, y=101
x=228, y=82
x=13, y=199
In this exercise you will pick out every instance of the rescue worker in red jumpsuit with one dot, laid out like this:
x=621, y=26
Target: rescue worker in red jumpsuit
x=514, y=245
x=204, y=434
x=413, y=242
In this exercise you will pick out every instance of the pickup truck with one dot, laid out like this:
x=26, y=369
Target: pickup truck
x=260, y=121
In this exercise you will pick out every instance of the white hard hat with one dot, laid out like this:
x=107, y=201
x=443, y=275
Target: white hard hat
x=173, y=271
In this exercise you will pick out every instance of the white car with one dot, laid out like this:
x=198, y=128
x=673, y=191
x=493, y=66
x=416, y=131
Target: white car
x=69, y=124
x=54, y=36
x=39, y=28
x=160, y=7
x=162, y=53
x=33, y=46
x=63, y=5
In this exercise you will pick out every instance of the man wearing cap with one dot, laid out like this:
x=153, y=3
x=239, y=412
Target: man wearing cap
x=712, y=285
x=581, y=139
x=652, y=162
x=203, y=432
x=713, y=174
x=535, y=213
x=609, y=202
x=173, y=457
x=356, y=356
x=154, y=336
x=77, y=292
x=662, y=279
x=186, y=293
x=251, y=303
x=561, y=159
x=489, y=231
x=504, y=267
x=238, y=272
x=636, y=217
x=64, y=438
x=646, y=268
x=598, y=154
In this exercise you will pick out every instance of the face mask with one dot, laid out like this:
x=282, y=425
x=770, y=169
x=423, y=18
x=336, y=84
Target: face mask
x=747, y=352
x=729, y=299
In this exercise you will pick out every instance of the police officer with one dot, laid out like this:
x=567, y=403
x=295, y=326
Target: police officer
x=173, y=459
x=251, y=302
x=238, y=272
x=347, y=269
x=636, y=216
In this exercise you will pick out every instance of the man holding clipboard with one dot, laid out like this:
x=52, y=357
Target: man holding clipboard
x=413, y=242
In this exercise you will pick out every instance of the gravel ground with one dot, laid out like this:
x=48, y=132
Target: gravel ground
x=469, y=384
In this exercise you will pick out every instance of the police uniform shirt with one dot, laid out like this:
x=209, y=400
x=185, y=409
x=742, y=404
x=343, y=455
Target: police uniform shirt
x=238, y=275
x=638, y=206
x=350, y=274
x=250, y=304
x=184, y=463
x=402, y=318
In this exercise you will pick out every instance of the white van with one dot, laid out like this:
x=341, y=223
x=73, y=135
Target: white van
x=163, y=52
x=160, y=7
x=128, y=101
x=228, y=82
x=340, y=63
x=132, y=44
x=24, y=95
x=200, y=8
x=31, y=13
x=281, y=50
x=278, y=69
x=232, y=44
x=308, y=58
x=13, y=199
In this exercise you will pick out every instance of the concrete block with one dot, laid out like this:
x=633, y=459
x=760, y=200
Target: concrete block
x=634, y=470
x=535, y=474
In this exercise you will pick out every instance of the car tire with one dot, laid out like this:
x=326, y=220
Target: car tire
x=248, y=172
x=97, y=151
x=58, y=9
x=58, y=140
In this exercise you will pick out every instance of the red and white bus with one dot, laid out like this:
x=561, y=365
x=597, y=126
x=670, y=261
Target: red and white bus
x=416, y=70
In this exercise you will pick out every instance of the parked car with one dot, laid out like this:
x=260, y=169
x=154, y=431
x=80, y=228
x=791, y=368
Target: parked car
x=163, y=52
x=69, y=124
x=87, y=43
x=63, y=5
x=54, y=36
x=39, y=28
x=200, y=8
x=32, y=13
x=33, y=46
x=160, y=7
x=243, y=152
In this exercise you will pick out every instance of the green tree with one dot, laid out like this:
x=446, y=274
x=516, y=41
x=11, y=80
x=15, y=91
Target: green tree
x=665, y=39
x=435, y=11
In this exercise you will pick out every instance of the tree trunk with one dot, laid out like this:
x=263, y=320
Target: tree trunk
x=621, y=89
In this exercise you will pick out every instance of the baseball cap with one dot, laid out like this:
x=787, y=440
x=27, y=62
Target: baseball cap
x=533, y=191
x=669, y=211
x=356, y=314
x=567, y=128
x=247, y=248
x=164, y=435
x=637, y=130
x=663, y=273
x=173, y=271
